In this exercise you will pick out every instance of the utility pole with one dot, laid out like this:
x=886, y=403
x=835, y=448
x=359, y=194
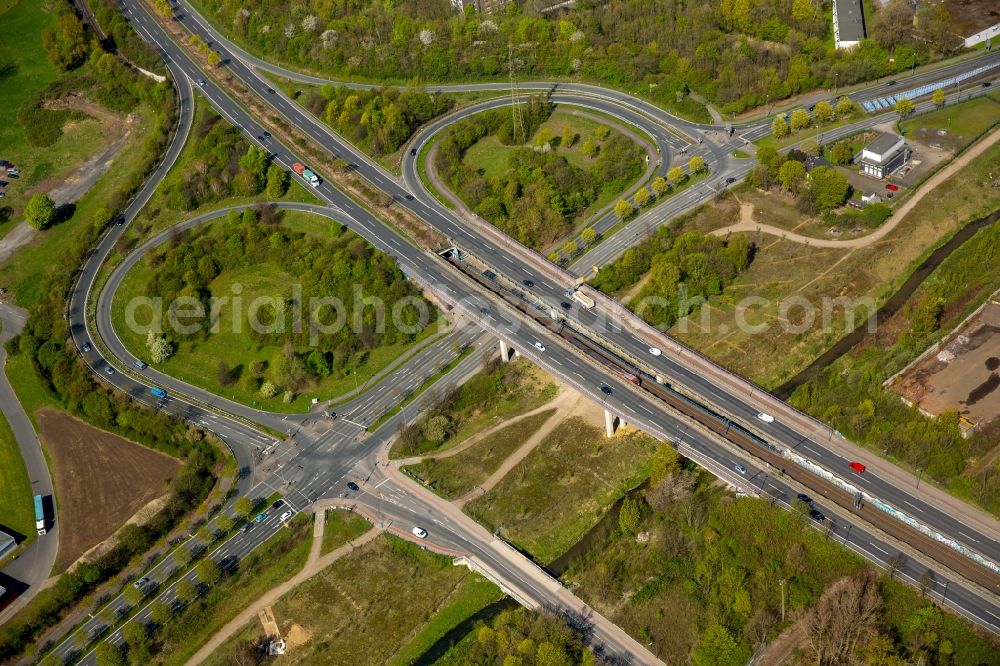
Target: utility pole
x=781, y=584
x=517, y=126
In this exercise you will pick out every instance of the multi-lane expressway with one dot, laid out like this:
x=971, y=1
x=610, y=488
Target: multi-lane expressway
x=344, y=451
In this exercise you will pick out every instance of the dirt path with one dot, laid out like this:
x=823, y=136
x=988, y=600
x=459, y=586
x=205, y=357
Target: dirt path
x=558, y=402
x=80, y=180
x=781, y=649
x=314, y=564
x=573, y=405
x=941, y=176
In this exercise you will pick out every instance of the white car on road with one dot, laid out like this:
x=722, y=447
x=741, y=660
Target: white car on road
x=285, y=516
x=420, y=532
x=539, y=346
x=655, y=351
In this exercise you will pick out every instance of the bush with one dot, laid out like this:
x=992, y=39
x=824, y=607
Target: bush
x=40, y=211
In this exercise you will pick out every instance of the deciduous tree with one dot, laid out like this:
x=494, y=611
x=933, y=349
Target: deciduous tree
x=641, y=197
x=823, y=111
x=660, y=186
x=800, y=119
x=779, y=128
x=904, y=106
x=845, y=106
x=40, y=212
x=623, y=209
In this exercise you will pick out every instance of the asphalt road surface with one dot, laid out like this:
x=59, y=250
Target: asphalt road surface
x=315, y=460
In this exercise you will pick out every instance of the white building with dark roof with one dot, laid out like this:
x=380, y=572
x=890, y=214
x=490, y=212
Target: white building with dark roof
x=886, y=154
x=848, y=23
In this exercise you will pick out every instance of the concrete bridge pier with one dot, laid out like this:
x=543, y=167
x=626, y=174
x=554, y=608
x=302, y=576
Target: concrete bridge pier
x=612, y=423
x=506, y=351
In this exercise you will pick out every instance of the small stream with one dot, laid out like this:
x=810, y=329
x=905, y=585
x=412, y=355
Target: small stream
x=597, y=535
x=890, y=307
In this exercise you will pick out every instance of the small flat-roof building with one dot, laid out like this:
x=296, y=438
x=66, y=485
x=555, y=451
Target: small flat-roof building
x=884, y=155
x=848, y=23
x=7, y=544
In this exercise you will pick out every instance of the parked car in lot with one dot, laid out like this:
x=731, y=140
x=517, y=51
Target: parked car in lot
x=420, y=532
x=857, y=467
x=891, y=187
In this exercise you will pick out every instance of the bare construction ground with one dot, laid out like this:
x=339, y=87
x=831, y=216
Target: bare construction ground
x=962, y=373
x=101, y=480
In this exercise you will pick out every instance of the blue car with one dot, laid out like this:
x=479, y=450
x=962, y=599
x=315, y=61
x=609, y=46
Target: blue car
x=260, y=517
x=158, y=393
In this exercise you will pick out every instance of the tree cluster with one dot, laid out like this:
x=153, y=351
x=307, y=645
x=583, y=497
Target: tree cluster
x=683, y=269
x=379, y=121
x=519, y=636
x=737, y=53
x=541, y=195
x=342, y=266
x=822, y=113
x=224, y=165
x=821, y=189
x=66, y=45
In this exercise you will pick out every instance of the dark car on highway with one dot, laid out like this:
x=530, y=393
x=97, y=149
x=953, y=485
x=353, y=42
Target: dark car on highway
x=817, y=515
x=606, y=390
x=802, y=497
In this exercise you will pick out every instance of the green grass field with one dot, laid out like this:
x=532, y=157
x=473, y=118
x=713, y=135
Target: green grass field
x=563, y=487
x=456, y=475
x=968, y=119
x=17, y=513
x=29, y=388
x=23, y=272
x=197, y=362
x=471, y=596
x=341, y=526
x=384, y=603
x=25, y=69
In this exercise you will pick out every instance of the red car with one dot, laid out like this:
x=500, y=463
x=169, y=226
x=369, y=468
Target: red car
x=857, y=467
x=891, y=187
